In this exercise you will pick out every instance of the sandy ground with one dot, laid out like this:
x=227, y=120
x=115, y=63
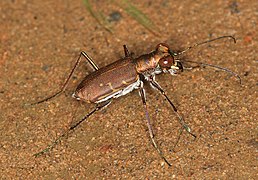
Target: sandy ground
x=40, y=41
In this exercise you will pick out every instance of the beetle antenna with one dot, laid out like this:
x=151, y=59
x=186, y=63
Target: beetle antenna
x=217, y=67
x=204, y=42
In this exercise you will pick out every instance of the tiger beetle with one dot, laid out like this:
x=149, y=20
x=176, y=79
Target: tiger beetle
x=125, y=75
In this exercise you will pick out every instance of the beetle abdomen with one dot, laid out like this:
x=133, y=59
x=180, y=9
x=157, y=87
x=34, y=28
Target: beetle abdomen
x=108, y=82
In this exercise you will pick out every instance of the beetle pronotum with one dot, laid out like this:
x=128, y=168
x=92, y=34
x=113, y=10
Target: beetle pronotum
x=125, y=75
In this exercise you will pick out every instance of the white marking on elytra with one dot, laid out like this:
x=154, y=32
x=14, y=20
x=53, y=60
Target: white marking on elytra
x=122, y=92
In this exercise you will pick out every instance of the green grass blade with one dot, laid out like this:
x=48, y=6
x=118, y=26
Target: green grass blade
x=138, y=15
x=97, y=16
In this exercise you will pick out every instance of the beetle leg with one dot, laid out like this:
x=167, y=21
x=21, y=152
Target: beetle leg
x=142, y=94
x=181, y=120
x=51, y=146
x=87, y=57
x=97, y=108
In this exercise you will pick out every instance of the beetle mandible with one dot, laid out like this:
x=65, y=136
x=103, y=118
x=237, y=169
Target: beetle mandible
x=125, y=75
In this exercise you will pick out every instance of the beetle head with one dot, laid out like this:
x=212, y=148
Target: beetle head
x=167, y=61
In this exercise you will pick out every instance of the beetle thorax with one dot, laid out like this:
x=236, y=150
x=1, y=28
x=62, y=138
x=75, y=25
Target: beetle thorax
x=148, y=63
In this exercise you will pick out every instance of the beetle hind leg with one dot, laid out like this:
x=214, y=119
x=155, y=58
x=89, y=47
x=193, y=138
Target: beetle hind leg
x=51, y=146
x=88, y=58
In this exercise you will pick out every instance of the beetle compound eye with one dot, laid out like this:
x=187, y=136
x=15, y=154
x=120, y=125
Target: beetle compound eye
x=166, y=62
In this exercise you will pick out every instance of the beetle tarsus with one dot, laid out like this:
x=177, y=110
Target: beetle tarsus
x=142, y=94
x=180, y=118
x=51, y=146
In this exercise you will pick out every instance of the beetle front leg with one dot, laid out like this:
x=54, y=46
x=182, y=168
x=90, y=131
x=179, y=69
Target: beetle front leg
x=142, y=94
x=181, y=120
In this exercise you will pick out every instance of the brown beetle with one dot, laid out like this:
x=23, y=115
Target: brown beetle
x=125, y=75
